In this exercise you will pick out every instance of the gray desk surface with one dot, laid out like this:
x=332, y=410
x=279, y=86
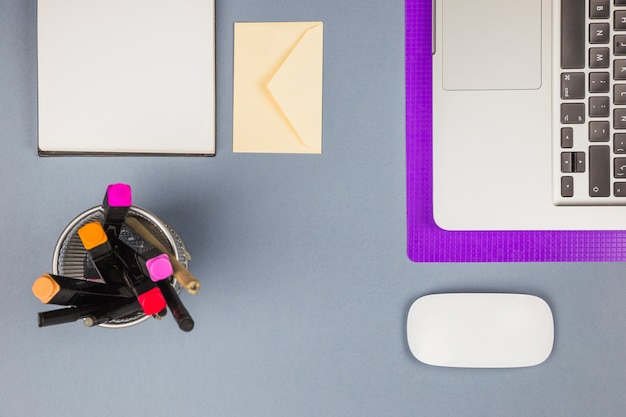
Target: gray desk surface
x=306, y=284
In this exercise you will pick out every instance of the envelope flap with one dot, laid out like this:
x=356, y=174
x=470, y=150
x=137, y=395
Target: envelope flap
x=297, y=87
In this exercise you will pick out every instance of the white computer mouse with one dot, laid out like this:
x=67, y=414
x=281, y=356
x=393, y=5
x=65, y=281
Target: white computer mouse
x=480, y=330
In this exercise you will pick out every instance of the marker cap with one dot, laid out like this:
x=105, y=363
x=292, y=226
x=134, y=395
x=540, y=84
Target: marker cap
x=45, y=288
x=119, y=195
x=152, y=301
x=92, y=235
x=159, y=267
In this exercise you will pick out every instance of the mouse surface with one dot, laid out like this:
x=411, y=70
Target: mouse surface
x=480, y=330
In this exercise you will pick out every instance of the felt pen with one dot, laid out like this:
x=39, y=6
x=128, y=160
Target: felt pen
x=116, y=205
x=156, y=265
x=66, y=315
x=111, y=312
x=148, y=294
x=56, y=289
x=176, y=306
x=106, y=314
x=92, y=315
x=182, y=274
x=151, y=263
x=97, y=244
x=63, y=315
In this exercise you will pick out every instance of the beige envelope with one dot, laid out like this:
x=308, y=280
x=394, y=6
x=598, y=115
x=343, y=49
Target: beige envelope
x=277, y=87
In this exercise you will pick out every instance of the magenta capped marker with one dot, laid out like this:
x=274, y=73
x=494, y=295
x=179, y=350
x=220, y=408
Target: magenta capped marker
x=119, y=195
x=159, y=267
x=116, y=205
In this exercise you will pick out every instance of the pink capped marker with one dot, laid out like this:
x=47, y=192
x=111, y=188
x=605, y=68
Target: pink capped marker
x=159, y=267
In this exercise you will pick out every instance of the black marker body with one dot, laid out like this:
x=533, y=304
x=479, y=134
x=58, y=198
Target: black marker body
x=176, y=306
x=60, y=290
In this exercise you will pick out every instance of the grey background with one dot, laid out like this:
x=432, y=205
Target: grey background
x=305, y=280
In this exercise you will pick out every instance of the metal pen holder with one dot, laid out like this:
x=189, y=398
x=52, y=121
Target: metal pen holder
x=70, y=258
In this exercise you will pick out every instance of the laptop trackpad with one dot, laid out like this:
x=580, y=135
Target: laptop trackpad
x=491, y=44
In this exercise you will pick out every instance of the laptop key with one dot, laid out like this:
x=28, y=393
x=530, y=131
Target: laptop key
x=619, y=69
x=619, y=23
x=599, y=131
x=567, y=137
x=579, y=162
x=599, y=106
x=619, y=94
x=599, y=57
x=599, y=33
x=619, y=143
x=619, y=189
x=619, y=167
x=567, y=186
x=619, y=46
x=572, y=85
x=567, y=164
x=573, y=113
x=619, y=118
x=599, y=9
x=573, y=33
x=599, y=171
x=599, y=82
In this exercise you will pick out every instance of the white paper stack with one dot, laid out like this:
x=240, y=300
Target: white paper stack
x=126, y=77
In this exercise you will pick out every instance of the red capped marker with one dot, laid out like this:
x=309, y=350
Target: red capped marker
x=152, y=301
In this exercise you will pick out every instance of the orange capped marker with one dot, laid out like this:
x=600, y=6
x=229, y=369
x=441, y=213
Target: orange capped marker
x=60, y=290
x=100, y=250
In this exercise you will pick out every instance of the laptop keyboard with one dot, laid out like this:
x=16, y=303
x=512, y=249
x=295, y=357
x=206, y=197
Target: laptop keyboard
x=591, y=136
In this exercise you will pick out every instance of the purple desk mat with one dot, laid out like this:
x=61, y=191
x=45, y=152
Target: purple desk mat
x=428, y=243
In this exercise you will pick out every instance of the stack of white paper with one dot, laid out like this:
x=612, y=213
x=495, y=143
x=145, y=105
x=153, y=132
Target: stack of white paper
x=126, y=77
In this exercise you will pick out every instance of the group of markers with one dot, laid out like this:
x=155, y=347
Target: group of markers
x=129, y=282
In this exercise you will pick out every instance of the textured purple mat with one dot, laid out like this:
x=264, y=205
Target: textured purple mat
x=425, y=241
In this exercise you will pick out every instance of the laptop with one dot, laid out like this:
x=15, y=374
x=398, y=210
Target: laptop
x=529, y=114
